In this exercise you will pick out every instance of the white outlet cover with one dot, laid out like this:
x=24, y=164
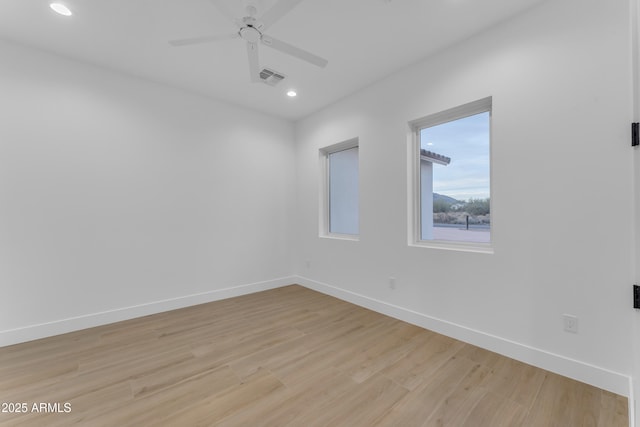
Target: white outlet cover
x=570, y=323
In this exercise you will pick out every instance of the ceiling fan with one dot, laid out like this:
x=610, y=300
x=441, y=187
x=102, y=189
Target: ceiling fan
x=251, y=28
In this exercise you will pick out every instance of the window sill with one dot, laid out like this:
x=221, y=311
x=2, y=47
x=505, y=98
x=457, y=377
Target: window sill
x=340, y=237
x=484, y=248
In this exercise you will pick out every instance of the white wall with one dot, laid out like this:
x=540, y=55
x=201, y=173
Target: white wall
x=560, y=79
x=116, y=193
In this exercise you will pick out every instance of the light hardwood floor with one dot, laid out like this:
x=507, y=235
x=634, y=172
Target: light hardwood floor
x=285, y=357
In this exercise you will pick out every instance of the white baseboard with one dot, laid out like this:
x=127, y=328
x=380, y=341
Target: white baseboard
x=575, y=369
x=43, y=330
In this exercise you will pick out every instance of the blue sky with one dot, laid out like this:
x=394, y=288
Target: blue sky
x=466, y=142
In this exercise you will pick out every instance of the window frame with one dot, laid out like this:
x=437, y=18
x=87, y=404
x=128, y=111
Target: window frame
x=325, y=205
x=414, y=182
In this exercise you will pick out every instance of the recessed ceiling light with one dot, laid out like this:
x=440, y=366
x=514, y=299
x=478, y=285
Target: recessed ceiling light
x=61, y=9
x=292, y=93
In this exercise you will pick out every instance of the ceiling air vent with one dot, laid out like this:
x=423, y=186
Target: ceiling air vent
x=271, y=77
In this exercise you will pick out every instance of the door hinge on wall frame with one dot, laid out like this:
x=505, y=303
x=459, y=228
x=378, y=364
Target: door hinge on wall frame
x=635, y=134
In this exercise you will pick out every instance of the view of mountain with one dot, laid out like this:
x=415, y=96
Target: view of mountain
x=446, y=199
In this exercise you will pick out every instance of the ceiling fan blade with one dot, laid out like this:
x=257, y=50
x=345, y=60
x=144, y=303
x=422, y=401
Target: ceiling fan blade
x=277, y=11
x=254, y=68
x=203, y=39
x=224, y=9
x=293, y=51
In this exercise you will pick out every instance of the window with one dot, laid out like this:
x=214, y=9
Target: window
x=452, y=191
x=340, y=210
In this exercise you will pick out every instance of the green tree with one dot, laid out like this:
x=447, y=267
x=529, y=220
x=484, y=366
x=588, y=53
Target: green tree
x=441, y=206
x=478, y=206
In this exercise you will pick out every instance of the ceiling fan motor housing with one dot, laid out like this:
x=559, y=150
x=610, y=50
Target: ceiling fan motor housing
x=250, y=34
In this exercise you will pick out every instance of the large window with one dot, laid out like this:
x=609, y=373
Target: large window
x=340, y=212
x=452, y=183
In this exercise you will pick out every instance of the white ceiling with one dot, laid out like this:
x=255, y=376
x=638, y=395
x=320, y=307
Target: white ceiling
x=364, y=41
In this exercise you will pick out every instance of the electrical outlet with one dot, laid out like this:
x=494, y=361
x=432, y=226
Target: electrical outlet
x=570, y=323
x=392, y=282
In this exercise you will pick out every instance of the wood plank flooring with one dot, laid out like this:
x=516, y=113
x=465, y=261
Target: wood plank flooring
x=284, y=357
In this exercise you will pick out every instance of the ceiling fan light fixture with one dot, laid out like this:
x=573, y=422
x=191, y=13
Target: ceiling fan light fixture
x=292, y=93
x=60, y=9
